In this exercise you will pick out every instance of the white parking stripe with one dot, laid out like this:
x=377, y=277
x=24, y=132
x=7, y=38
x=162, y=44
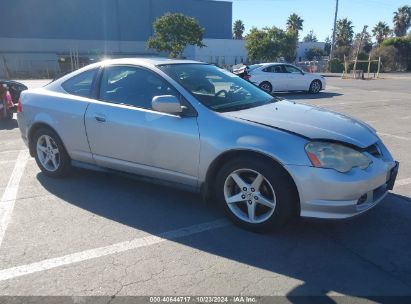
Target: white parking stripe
x=10, y=193
x=18, y=271
x=403, y=182
x=3, y=162
x=10, y=151
x=394, y=136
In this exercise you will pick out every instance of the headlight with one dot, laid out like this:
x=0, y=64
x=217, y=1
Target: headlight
x=336, y=156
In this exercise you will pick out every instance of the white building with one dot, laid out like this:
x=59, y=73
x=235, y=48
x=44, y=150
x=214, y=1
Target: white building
x=222, y=52
x=303, y=47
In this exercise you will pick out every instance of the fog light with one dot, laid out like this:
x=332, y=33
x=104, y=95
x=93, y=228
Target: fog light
x=362, y=199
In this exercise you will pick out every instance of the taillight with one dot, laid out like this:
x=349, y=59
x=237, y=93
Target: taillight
x=247, y=77
x=19, y=107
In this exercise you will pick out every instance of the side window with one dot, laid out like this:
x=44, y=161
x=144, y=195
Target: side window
x=132, y=86
x=81, y=84
x=291, y=69
x=274, y=69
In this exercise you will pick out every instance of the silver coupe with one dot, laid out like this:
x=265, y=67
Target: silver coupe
x=200, y=127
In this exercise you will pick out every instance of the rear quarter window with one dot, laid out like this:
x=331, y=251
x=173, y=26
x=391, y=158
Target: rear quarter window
x=81, y=84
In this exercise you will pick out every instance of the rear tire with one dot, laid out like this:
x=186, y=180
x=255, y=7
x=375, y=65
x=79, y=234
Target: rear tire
x=266, y=86
x=265, y=200
x=315, y=86
x=50, y=154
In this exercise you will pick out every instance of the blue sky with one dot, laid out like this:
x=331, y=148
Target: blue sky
x=317, y=14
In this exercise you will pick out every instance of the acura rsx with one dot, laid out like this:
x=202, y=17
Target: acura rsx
x=200, y=127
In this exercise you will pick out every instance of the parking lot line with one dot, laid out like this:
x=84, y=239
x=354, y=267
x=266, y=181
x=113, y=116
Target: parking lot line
x=10, y=193
x=403, y=182
x=18, y=271
x=4, y=162
x=394, y=136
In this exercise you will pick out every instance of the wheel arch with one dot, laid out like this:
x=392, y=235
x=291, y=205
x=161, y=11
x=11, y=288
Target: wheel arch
x=267, y=81
x=32, y=131
x=207, y=188
x=316, y=79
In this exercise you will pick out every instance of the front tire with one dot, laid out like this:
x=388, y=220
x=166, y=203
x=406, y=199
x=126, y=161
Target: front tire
x=255, y=194
x=50, y=154
x=315, y=87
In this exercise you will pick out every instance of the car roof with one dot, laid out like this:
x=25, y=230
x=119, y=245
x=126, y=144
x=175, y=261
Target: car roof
x=147, y=61
x=274, y=63
x=138, y=61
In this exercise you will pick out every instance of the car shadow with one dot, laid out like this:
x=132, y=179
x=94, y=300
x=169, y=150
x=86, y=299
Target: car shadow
x=305, y=95
x=365, y=256
x=8, y=124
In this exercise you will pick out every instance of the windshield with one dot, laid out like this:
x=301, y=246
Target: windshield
x=216, y=88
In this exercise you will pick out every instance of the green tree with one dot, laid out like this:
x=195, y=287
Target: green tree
x=310, y=37
x=289, y=46
x=403, y=47
x=314, y=53
x=402, y=20
x=294, y=23
x=269, y=44
x=173, y=32
x=344, y=33
x=366, y=44
x=262, y=45
x=238, y=29
x=381, y=31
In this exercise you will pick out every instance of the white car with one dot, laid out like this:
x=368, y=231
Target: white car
x=280, y=77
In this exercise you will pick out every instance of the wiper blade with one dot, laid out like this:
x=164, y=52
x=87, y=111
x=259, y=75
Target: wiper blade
x=236, y=108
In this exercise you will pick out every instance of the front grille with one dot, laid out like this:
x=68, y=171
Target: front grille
x=374, y=150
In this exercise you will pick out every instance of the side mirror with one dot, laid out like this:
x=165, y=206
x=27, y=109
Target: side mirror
x=166, y=104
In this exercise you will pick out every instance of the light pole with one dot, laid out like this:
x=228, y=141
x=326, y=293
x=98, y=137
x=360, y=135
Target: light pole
x=335, y=24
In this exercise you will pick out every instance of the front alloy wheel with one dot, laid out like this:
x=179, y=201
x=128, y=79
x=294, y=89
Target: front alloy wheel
x=249, y=195
x=315, y=87
x=257, y=194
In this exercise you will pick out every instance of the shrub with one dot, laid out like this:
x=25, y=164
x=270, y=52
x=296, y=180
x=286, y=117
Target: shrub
x=397, y=53
x=389, y=58
x=335, y=66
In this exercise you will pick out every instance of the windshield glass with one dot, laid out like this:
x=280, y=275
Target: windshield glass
x=216, y=88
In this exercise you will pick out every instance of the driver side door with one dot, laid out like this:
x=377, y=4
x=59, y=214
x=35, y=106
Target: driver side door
x=124, y=132
x=296, y=79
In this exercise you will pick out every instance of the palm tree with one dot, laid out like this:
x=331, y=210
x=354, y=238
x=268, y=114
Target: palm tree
x=238, y=29
x=344, y=33
x=381, y=31
x=402, y=20
x=294, y=23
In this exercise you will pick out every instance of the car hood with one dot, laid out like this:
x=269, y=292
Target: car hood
x=309, y=121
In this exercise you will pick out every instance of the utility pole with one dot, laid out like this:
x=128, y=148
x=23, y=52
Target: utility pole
x=335, y=24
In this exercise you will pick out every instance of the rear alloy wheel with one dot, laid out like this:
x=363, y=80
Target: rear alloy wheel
x=255, y=194
x=51, y=157
x=266, y=86
x=315, y=86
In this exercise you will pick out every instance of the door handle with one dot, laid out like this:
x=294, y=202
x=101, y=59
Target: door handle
x=100, y=118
